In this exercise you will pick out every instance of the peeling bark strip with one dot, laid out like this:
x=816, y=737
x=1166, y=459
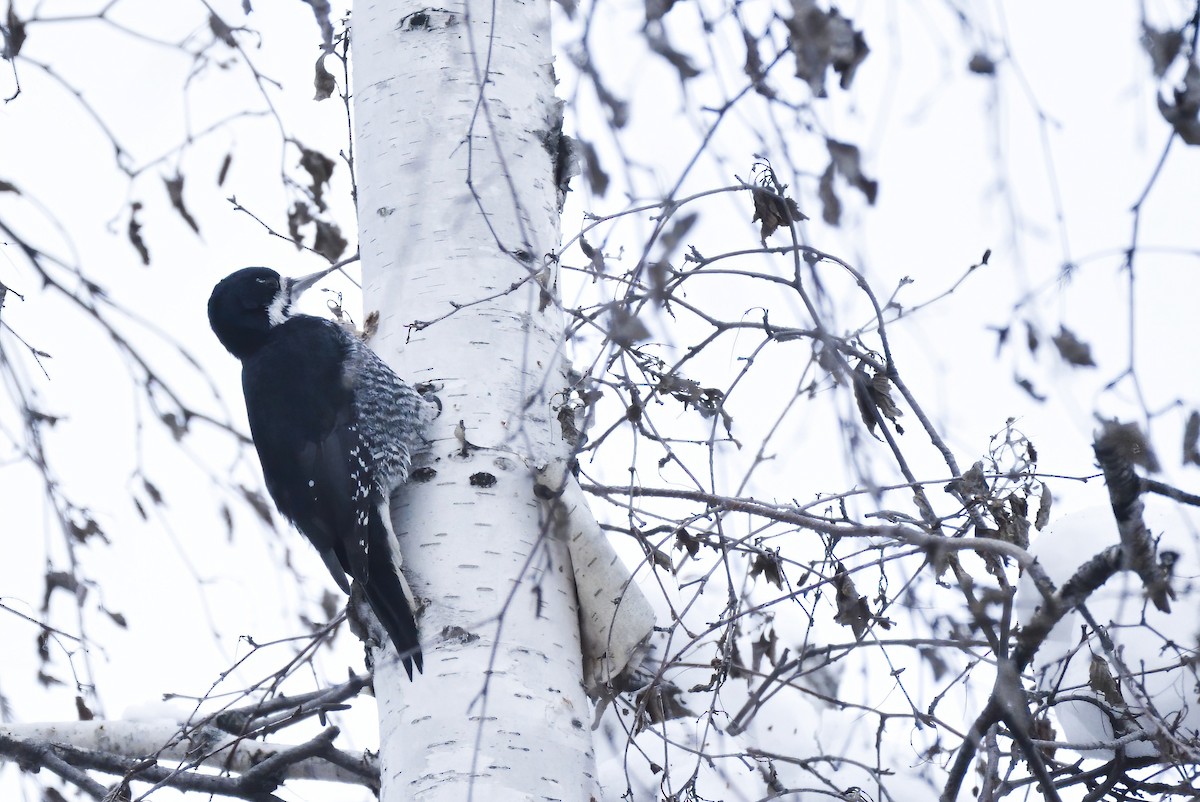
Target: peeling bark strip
x=458, y=212
x=1139, y=552
x=616, y=619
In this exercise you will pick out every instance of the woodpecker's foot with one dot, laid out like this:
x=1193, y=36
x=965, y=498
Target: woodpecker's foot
x=427, y=391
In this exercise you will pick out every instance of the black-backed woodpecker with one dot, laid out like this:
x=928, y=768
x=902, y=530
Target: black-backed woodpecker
x=335, y=431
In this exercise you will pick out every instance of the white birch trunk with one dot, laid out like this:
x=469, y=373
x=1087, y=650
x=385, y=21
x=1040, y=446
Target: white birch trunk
x=500, y=713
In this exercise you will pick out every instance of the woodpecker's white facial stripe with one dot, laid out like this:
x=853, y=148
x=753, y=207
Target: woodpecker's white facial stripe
x=280, y=306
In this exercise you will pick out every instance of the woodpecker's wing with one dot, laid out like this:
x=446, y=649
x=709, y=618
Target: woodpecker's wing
x=343, y=440
x=388, y=592
x=311, y=454
x=339, y=507
x=391, y=416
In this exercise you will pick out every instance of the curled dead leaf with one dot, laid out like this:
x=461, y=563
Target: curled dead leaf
x=874, y=395
x=852, y=608
x=1162, y=47
x=823, y=39
x=323, y=80
x=135, y=233
x=1191, y=438
x=320, y=170
x=1044, y=506
x=175, y=193
x=1072, y=349
x=774, y=212
x=1182, y=111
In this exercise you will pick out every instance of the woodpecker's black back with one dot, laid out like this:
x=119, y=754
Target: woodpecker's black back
x=335, y=430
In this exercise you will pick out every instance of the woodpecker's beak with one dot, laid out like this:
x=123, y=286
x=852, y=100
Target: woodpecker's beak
x=296, y=286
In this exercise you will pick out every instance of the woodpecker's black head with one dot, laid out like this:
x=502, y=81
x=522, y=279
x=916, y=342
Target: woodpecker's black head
x=245, y=305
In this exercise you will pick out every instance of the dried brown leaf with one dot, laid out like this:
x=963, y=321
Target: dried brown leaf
x=1030, y=390
x=981, y=64
x=1014, y=527
x=921, y=502
x=771, y=568
x=831, y=205
x=848, y=160
x=14, y=33
x=221, y=31
x=1045, y=505
x=135, y=233
x=971, y=486
x=657, y=9
x=852, y=608
x=175, y=193
x=61, y=580
x=1043, y=730
x=1073, y=350
x=299, y=215
x=656, y=38
x=323, y=80
x=661, y=702
x=597, y=179
x=320, y=169
x=657, y=275
x=593, y=253
x=625, y=329
x=681, y=225
x=1183, y=111
x=764, y=647
x=688, y=542
x=257, y=503
x=1162, y=47
x=223, y=173
x=822, y=39
x=932, y=656
x=659, y=558
x=152, y=491
x=873, y=393
x=1100, y=680
x=1191, y=439
x=48, y=680
x=774, y=211
x=754, y=66
x=329, y=241
x=86, y=528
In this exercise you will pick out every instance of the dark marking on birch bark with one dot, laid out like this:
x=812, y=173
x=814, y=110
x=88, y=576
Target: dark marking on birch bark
x=428, y=19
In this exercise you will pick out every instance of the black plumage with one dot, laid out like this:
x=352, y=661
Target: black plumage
x=335, y=431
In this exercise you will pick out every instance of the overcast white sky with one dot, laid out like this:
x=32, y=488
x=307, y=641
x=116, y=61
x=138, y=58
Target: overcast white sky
x=965, y=163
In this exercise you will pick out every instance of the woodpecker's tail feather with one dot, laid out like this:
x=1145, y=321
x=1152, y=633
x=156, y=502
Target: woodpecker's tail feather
x=389, y=596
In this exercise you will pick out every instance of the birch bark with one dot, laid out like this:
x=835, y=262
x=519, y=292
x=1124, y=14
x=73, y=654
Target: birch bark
x=458, y=211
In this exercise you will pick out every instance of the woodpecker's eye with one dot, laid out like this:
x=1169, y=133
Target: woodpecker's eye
x=263, y=280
